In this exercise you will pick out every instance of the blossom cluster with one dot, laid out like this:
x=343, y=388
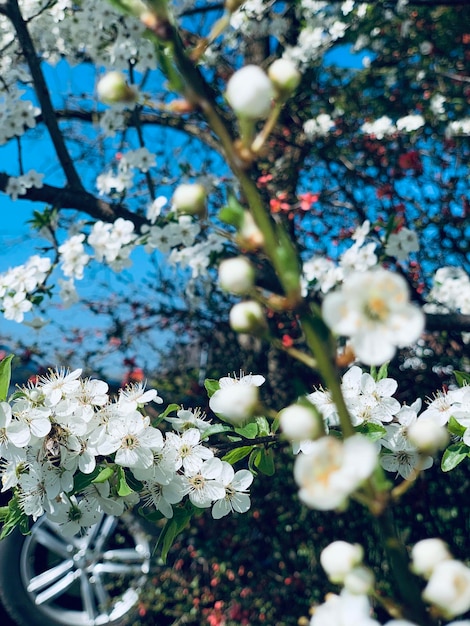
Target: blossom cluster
x=451, y=290
x=402, y=438
x=447, y=588
x=140, y=159
x=64, y=425
x=20, y=282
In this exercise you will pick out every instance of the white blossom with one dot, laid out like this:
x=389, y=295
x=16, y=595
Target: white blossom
x=332, y=470
x=339, y=558
x=250, y=92
x=372, y=308
x=428, y=553
x=236, y=496
x=449, y=588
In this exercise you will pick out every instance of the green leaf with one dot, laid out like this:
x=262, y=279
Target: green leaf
x=81, y=481
x=454, y=455
x=252, y=461
x=250, y=431
x=372, y=431
x=151, y=516
x=237, y=454
x=233, y=213
x=263, y=426
x=379, y=375
x=5, y=376
x=211, y=386
x=264, y=461
x=169, y=409
x=383, y=372
x=123, y=487
x=462, y=378
x=105, y=474
x=455, y=428
x=14, y=517
x=215, y=429
x=275, y=425
x=172, y=528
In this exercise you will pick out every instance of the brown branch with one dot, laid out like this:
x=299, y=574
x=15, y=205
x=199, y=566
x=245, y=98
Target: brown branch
x=167, y=120
x=78, y=199
x=447, y=321
x=216, y=6
x=13, y=12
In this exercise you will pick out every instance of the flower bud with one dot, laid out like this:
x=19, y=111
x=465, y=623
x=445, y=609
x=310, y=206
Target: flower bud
x=284, y=76
x=449, y=588
x=190, y=199
x=248, y=317
x=235, y=403
x=428, y=553
x=299, y=422
x=359, y=581
x=236, y=275
x=339, y=558
x=250, y=92
x=249, y=236
x=113, y=88
x=428, y=436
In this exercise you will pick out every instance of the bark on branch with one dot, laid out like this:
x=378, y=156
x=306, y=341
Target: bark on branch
x=13, y=12
x=167, y=120
x=447, y=321
x=78, y=199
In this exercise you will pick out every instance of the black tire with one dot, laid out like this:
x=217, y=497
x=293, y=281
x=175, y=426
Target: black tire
x=89, y=580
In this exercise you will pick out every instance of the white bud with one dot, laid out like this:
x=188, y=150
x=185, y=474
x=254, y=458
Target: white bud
x=250, y=92
x=428, y=435
x=248, y=317
x=359, y=581
x=190, y=199
x=449, y=588
x=235, y=403
x=249, y=236
x=113, y=88
x=339, y=558
x=236, y=275
x=428, y=553
x=284, y=75
x=299, y=422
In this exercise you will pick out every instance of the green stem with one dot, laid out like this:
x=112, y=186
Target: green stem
x=317, y=339
x=407, y=584
x=267, y=129
x=199, y=94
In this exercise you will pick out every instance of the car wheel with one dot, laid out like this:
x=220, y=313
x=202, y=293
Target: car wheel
x=87, y=580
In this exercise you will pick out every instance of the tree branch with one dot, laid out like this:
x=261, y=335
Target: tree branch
x=13, y=12
x=167, y=120
x=78, y=199
x=448, y=321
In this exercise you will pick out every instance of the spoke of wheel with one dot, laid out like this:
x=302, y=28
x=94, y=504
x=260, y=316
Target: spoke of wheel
x=106, y=529
x=87, y=594
x=123, y=555
x=117, y=568
x=100, y=591
x=45, y=536
x=57, y=589
x=50, y=576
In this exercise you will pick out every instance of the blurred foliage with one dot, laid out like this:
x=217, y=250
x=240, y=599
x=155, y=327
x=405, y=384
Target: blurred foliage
x=263, y=567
